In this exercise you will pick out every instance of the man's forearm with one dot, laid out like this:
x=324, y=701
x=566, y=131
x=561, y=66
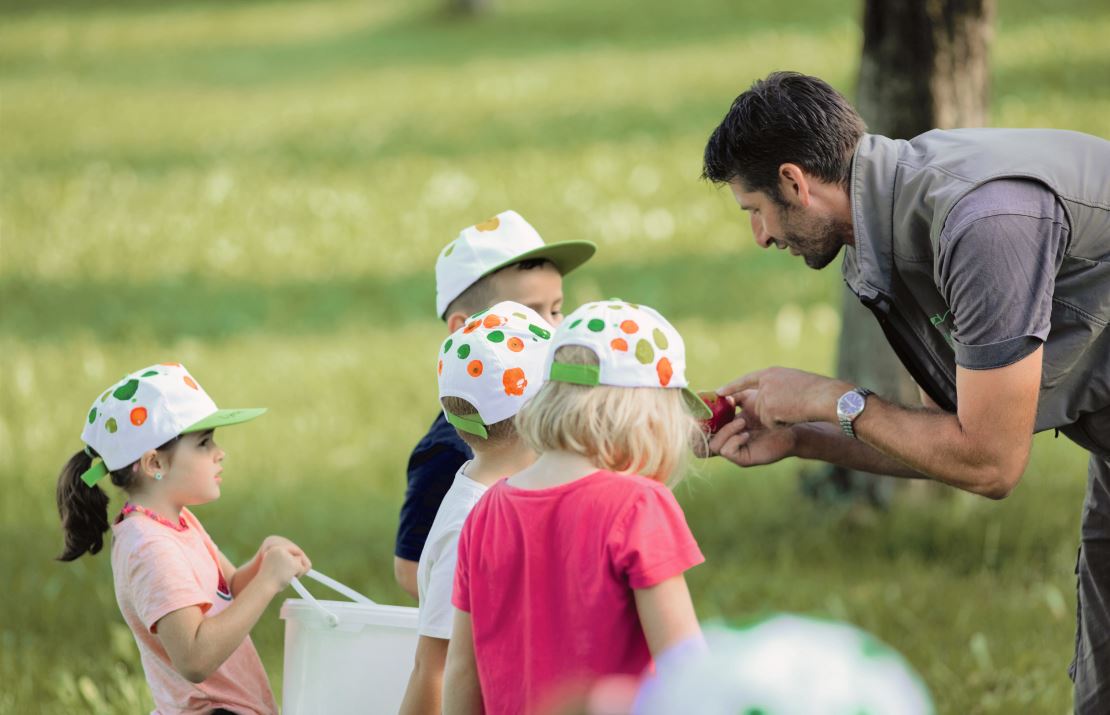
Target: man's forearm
x=827, y=443
x=914, y=442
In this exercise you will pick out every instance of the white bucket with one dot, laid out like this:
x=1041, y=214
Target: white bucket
x=345, y=657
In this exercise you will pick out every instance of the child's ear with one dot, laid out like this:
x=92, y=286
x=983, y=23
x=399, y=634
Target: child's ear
x=151, y=463
x=456, y=320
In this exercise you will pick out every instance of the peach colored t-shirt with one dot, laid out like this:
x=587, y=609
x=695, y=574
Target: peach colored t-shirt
x=158, y=570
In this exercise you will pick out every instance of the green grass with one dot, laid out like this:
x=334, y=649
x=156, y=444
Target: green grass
x=259, y=189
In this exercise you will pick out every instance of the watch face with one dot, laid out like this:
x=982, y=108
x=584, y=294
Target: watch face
x=851, y=404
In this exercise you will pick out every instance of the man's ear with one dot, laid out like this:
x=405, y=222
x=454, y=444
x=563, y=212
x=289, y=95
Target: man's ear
x=794, y=184
x=456, y=320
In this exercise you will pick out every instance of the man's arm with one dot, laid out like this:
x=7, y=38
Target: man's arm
x=983, y=448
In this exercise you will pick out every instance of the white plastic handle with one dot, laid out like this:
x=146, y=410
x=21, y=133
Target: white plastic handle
x=331, y=619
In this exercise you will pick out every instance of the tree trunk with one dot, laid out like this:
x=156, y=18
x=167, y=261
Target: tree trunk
x=470, y=7
x=924, y=66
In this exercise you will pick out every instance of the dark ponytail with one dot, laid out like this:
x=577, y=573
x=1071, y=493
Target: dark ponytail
x=83, y=509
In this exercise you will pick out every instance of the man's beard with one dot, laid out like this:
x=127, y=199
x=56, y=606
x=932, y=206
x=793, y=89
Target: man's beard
x=817, y=239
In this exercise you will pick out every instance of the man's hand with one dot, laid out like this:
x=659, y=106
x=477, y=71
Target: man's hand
x=746, y=442
x=780, y=396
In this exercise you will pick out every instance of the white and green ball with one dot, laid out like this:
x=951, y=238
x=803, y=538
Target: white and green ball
x=788, y=665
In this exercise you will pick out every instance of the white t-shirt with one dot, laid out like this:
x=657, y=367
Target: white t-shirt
x=435, y=575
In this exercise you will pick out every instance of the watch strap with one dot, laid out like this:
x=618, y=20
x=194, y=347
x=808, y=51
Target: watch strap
x=846, y=422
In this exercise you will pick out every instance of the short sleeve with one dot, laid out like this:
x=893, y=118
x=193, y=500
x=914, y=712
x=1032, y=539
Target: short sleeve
x=431, y=470
x=437, y=615
x=161, y=581
x=461, y=596
x=999, y=253
x=651, y=541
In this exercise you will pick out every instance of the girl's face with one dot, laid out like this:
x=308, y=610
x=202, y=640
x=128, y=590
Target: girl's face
x=193, y=476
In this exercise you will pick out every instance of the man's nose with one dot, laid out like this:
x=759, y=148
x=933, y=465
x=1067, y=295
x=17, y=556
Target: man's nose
x=761, y=236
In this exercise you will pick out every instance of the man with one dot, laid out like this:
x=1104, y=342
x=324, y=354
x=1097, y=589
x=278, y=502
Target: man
x=985, y=256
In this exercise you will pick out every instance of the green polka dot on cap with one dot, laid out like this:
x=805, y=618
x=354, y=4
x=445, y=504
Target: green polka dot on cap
x=127, y=390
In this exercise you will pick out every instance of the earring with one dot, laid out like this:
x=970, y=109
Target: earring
x=158, y=476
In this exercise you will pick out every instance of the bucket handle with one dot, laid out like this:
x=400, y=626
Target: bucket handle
x=331, y=618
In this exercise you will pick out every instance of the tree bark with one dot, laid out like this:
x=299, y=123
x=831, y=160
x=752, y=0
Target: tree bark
x=470, y=7
x=924, y=65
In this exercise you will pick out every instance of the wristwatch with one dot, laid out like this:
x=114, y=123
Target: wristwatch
x=850, y=406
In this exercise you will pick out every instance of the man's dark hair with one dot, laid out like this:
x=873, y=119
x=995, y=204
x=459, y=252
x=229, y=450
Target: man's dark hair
x=786, y=118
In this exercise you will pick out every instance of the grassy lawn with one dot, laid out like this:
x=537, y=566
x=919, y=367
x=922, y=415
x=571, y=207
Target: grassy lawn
x=259, y=189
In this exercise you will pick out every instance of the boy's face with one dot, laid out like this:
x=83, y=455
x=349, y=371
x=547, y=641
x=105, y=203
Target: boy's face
x=539, y=288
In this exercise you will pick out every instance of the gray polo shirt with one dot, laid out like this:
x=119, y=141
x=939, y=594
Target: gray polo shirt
x=1000, y=250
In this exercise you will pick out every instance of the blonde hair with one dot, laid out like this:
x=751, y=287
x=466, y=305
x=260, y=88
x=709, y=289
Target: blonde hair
x=498, y=432
x=640, y=430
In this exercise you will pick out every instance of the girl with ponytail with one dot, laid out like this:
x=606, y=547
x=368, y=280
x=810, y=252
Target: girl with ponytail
x=189, y=608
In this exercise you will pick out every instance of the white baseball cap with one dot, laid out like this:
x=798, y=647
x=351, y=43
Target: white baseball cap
x=145, y=410
x=495, y=362
x=494, y=244
x=635, y=346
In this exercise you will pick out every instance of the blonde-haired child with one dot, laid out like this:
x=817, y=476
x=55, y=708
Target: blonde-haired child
x=572, y=569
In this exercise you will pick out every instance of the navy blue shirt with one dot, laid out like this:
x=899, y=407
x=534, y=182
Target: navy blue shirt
x=432, y=468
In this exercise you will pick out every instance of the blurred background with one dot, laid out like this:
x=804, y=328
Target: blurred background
x=259, y=189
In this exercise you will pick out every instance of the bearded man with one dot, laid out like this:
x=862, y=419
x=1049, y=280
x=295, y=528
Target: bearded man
x=985, y=256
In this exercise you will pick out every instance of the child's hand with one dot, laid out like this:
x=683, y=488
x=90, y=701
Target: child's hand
x=280, y=565
x=271, y=542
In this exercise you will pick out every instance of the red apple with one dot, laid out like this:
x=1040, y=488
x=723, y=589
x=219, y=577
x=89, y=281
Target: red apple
x=723, y=412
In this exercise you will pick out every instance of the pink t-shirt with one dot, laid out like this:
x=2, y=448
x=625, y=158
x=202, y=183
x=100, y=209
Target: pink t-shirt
x=158, y=570
x=547, y=577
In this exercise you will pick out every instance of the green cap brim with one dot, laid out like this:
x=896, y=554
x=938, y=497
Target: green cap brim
x=566, y=255
x=696, y=404
x=223, y=418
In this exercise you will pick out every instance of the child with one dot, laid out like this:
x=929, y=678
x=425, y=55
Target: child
x=499, y=259
x=487, y=371
x=572, y=569
x=189, y=609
